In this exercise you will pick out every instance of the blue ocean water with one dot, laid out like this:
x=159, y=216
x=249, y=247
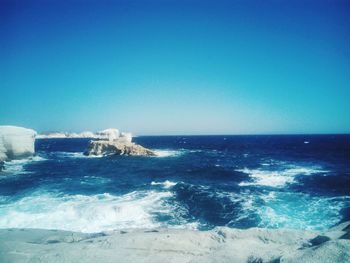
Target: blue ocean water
x=197, y=182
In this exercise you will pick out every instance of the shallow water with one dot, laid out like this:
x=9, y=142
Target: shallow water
x=197, y=182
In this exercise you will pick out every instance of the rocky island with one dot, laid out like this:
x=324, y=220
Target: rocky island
x=117, y=147
x=112, y=142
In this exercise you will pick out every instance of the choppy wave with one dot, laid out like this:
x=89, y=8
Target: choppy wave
x=18, y=166
x=86, y=213
x=180, y=205
x=189, y=186
x=166, y=184
x=300, y=211
x=213, y=207
x=277, y=177
x=95, y=180
x=271, y=209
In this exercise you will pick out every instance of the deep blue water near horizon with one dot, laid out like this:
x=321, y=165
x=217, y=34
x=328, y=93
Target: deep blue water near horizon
x=197, y=182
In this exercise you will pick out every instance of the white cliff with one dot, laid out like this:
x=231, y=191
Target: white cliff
x=52, y=135
x=126, y=136
x=16, y=142
x=57, y=135
x=107, y=134
x=86, y=134
x=110, y=134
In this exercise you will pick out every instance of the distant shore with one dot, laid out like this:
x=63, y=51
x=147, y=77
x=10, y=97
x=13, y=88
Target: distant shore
x=175, y=245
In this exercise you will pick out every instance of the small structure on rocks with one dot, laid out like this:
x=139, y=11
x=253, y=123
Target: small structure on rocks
x=112, y=142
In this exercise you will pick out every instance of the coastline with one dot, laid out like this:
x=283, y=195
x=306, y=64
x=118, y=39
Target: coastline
x=221, y=244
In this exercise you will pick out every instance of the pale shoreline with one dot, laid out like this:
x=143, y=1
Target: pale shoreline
x=221, y=244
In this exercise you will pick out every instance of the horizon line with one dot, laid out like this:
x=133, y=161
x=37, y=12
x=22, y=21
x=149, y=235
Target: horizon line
x=242, y=134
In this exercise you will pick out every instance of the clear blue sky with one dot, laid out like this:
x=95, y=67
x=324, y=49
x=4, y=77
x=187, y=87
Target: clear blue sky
x=176, y=67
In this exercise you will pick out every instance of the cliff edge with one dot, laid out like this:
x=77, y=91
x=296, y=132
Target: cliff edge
x=16, y=143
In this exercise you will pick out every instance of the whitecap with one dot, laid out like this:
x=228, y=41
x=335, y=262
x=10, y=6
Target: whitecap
x=166, y=184
x=17, y=166
x=277, y=178
x=266, y=178
x=168, y=153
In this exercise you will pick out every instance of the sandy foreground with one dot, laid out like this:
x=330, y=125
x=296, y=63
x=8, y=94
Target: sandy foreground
x=222, y=244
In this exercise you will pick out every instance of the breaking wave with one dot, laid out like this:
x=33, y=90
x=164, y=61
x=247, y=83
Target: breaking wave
x=86, y=213
x=168, y=153
x=18, y=166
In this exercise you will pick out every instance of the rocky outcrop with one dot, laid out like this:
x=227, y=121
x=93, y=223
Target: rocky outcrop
x=117, y=147
x=16, y=143
x=113, y=142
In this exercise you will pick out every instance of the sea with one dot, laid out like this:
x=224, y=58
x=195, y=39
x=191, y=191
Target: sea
x=195, y=182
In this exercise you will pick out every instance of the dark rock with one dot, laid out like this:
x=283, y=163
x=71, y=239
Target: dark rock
x=319, y=240
x=252, y=259
x=347, y=228
x=345, y=236
x=276, y=260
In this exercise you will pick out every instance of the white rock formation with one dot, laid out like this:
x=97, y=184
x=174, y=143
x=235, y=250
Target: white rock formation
x=222, y=244
x=126, y=136
x=16, y=142
x=86, y=134
x=52, y=135
x=56, y=135
x=110, y=134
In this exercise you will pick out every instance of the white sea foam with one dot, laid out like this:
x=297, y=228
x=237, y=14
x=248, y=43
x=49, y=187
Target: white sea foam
x=278, y=178
x=299, y=211
x=246, y=200
x=17, y=166
x=76, y=155
x=86, y=213
x=168, y=153
x=166, y=184
x=280, y=209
